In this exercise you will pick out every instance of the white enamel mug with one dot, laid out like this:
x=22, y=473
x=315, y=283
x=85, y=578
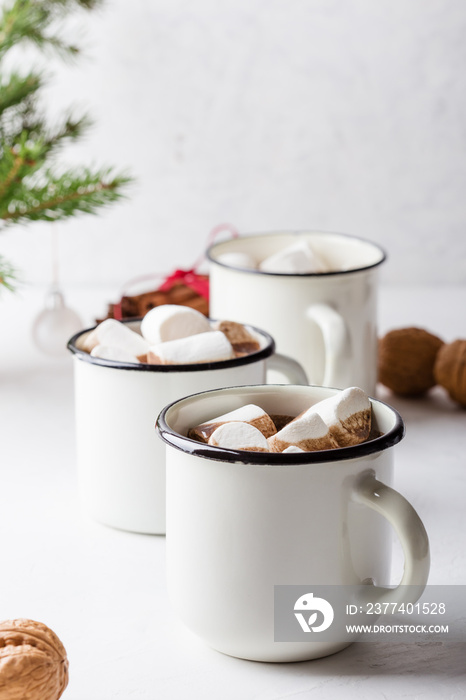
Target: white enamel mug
x=325, y=321
x=240, y=523
x=121, y=464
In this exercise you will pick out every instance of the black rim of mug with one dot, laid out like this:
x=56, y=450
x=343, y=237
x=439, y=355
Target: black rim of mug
x=212, y=259
x=221, y=454
x=261, y=354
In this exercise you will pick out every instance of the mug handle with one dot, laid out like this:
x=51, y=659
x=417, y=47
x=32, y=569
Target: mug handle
x=337, y=344
x=290, y=368
x=411, y=532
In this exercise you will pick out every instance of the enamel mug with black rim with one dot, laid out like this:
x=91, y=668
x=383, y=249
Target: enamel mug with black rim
x=241, y=523
x=121, y=464
x=326, y=321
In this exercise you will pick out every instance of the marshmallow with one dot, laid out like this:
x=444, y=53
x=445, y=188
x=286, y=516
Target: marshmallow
x=170, y=322
x=308, y=431
x=294, y=259
x=213, y=346
x=251, y=414
x=292, y=449
x=114, y=334
x=239, y=436
x=242, y=340
x=109, y=352
x=347, y=415
x=237, y=260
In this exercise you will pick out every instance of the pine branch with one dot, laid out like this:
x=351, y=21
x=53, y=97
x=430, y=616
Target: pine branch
x=19, y=162
x=64, y=196
x=28, y=20
x=30, y=190
x=17, y=89
x=8, y=274
x=35, y=126
x=13, y=162
x=51, y=138
x=65, y=5
x=70, y=130
x=30, y=152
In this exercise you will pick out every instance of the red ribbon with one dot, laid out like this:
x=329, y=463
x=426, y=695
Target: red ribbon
x=188, y=277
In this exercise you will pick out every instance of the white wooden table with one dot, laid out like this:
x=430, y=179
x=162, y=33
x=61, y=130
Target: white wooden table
x=103, y=591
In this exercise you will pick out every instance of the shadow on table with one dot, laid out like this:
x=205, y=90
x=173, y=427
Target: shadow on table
x=435, y=404
x=382, y=659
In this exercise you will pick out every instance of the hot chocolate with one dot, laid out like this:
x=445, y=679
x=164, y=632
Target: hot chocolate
x=339, y=421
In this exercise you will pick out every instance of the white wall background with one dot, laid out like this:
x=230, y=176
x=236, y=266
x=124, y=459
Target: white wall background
x=343, y=115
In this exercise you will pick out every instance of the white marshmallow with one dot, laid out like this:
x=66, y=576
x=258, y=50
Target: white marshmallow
x=307, y=431
x=294, y=259
x=202, y=347
x=238, y=260
x=243, y=414
x=347, y=415
x=251, y=414
x=108, y=352
x=114, y=334
x=170, y=322
x=293, y=449
x=239, y=436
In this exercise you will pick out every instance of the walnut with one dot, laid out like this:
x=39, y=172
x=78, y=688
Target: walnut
x=33, y=663
x=406, y=360
x=450, y=370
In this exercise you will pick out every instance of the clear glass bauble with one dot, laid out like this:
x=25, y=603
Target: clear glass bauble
x=55, y=325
